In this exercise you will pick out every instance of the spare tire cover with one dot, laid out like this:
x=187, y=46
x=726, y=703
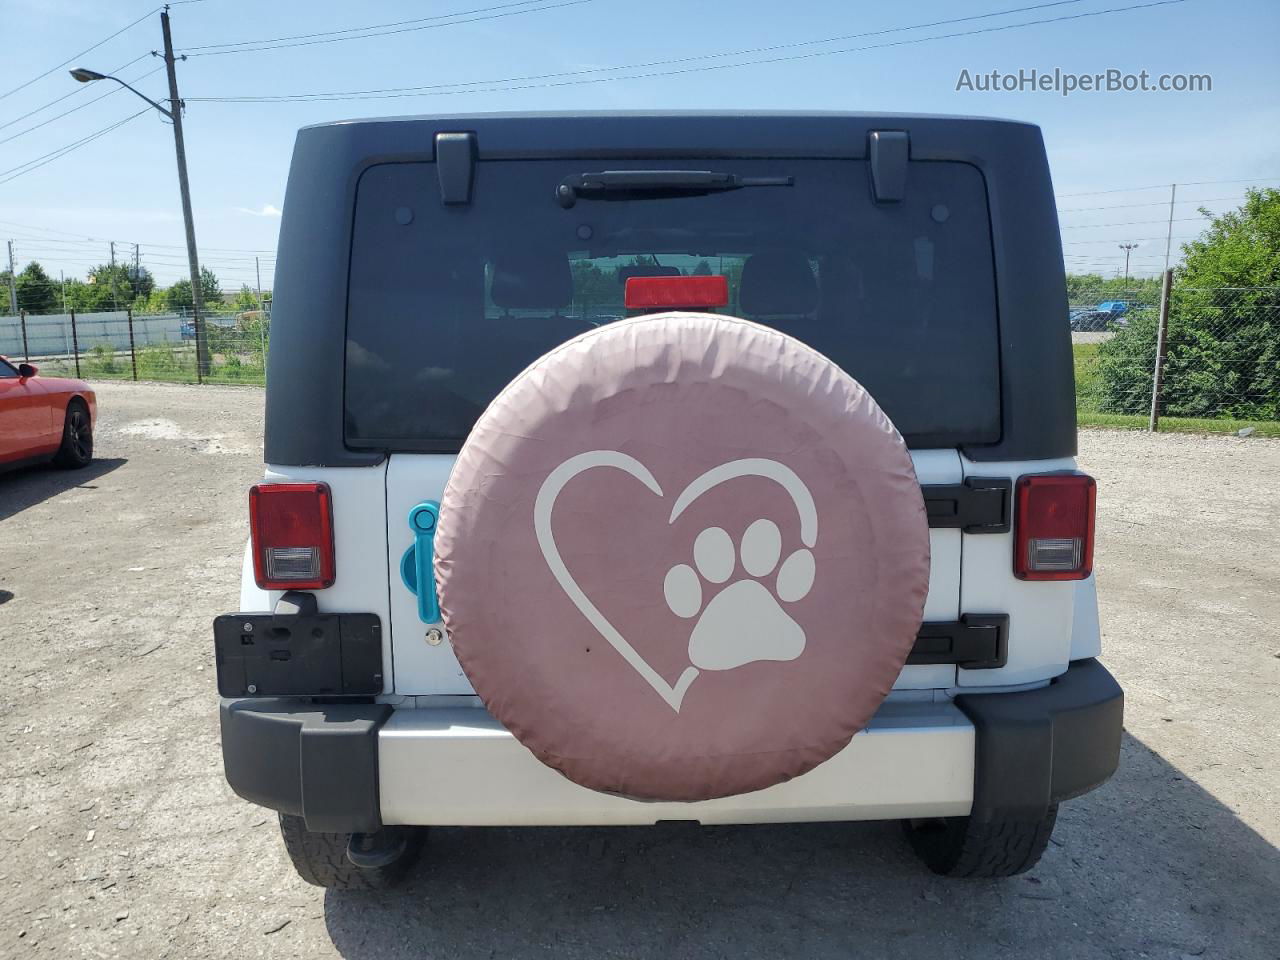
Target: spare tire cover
x=682, y=556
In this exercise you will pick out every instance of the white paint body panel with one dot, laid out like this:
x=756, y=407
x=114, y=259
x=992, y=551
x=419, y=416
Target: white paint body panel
x=1040, y=612
x=1051, y=623
x=360, y=549
x=457, y=766
x=1086, y=631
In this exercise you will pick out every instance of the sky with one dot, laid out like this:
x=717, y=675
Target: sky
x=122, y=186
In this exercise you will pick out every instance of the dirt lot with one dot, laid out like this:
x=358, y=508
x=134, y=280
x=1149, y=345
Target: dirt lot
x=118, y=834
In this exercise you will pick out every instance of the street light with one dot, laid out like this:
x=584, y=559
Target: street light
x=1127, y=247
x=174, y=114
x=87, y=76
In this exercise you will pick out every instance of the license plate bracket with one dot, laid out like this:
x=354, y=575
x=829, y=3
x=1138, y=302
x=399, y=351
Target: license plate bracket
x=298, y=655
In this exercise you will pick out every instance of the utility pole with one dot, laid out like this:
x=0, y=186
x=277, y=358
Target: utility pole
x=13, y=284
x=1127, y=248
x=262, y=313
x=115, y=300
x=1168, y=243
x=193, y=261
x=62, y=278
x=137, y=273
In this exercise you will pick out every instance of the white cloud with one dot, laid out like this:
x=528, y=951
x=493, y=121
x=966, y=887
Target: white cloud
x=268, y=210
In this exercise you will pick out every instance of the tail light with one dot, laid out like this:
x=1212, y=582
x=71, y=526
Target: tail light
x=1053, y=527
x=292, y=529
x=663, y=293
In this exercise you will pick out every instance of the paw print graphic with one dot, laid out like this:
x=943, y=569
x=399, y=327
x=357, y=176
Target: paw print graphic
x=744, y=621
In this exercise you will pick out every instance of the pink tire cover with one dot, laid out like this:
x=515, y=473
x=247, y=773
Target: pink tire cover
x=683, y=556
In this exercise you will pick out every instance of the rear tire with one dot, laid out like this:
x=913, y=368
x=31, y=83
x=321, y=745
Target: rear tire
x=76, y=450
x=321, y=858
x=964, y=847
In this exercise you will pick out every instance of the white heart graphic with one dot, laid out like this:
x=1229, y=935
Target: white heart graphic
x=561, y=475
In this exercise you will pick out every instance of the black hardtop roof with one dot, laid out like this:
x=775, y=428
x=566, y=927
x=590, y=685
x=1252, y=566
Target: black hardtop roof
x=802, y=132
x=306, y=367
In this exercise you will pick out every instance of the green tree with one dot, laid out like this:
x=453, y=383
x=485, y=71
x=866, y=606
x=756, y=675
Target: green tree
x=1090, y=289
x=178, y=296
x=246, y=299
x=1223, y=344
x=36, y=292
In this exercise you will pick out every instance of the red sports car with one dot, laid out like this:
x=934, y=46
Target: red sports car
x=44, y=418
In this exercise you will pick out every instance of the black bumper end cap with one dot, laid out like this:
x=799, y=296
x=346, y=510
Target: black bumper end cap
x=316, y=761
x=1039, y=747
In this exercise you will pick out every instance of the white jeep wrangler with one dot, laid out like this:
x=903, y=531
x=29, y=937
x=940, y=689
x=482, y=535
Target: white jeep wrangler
x=633, y=467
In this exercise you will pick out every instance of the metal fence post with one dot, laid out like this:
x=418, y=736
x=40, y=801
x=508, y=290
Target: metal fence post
x=26, y=350
x=133, y=351
x=75, y=342
x=1162, y=334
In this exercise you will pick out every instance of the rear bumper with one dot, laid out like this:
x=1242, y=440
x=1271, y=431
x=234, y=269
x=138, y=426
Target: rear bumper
x=352, y=767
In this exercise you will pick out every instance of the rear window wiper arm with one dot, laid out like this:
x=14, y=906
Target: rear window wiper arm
x=656, y=184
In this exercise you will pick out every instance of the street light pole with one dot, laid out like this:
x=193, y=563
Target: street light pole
x=1127, y=247
x=193, y=261
x=174, y=114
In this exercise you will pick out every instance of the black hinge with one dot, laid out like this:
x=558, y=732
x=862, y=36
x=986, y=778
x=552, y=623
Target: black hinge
x=455, y=166
x=975, y=642
x=979, y=505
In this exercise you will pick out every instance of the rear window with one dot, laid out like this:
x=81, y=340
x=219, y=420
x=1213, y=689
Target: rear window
x=447, y=304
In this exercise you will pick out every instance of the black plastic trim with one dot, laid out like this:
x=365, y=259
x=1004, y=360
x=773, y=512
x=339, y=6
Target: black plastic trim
x=304, y=409
x=975, y=642
x=1039, y=747
x=316, y=761
x=979, y=505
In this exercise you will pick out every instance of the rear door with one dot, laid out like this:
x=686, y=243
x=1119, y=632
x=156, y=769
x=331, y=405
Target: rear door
x=424, y=667
x=448, y=303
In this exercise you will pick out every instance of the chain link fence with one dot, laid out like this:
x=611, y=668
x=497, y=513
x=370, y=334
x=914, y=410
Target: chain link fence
x=1221, y=358
x=121, y=346
x=1221, y=368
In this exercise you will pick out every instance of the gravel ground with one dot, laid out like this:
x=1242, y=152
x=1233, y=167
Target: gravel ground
x=118, y=834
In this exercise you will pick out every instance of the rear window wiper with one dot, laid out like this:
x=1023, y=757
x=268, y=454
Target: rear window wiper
x=656, y=184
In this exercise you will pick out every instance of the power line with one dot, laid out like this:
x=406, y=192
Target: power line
x=1176, y=236
x=79, y=89
x=584, y=76
x=1130, y=223
x=77, y=56
x=1153, y=203
x=81, y=238
x=24, y=168
x=59, y=116
x=1165, y=186
x=359, y=94
x=255, y=46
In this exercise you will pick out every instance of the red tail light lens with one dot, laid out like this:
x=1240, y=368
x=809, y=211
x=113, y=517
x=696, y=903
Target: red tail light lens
x=676, y=293
x=292, y=529
x=1053, y=527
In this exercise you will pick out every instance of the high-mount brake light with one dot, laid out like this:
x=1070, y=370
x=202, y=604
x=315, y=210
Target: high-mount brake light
x=1053, y=526
x=677, y=293
x=292, y=529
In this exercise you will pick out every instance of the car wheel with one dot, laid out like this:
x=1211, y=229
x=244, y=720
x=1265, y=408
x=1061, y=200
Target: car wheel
x=76, y=450
x=322, y=858
x=964, y=847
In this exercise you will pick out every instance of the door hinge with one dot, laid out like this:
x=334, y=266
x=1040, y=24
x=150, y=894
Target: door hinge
x=979, y=505
x=975, y=642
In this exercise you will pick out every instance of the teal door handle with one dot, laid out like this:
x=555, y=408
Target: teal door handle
x=416, y=564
